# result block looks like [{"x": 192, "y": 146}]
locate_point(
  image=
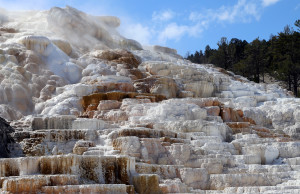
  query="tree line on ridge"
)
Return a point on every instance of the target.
[{"x": 278, "y": 57}]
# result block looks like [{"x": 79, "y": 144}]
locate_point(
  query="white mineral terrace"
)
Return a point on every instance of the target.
[{"x": 94, "y": 112}]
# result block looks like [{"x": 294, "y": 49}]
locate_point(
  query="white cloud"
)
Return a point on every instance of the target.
[
  {"x": 173, "y": 31},
  {"x": 138, "y": 32},
  {"x": 163, "y": 16},
  {"x": 267, "y": 3},
  {"x": 297, "y": 7},
  {"x": 242, "y": 11}
]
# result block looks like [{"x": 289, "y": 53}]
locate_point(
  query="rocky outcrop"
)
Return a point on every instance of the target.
[
  {"x": 75, "y": 23},
  {"x": 5, "y": 138},
  {"x": 97, "y": 98},
  {"x": 118, "y": 56}
]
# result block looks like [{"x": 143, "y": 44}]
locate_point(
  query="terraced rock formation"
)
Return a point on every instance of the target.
[{"x": 94, "y": 112}]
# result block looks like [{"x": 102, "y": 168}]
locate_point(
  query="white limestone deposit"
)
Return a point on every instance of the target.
[{"x": 95, "y": 112}]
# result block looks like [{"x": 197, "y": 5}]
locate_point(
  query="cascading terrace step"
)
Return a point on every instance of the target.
[
  {"x": 52, "y": 141},
  {"x": 164, "y": 171},
  {"x": 221, "y": 181},
  {"x": 57, "y": 135},
  {"x": 251, "y": 190},
  {"x": 257, "y": 168},
  {"x": 101, "y": 150},
  {"x": 34, "y": 183},
  {"x": 263, "y": 189},
  {"x": 293, "y": 161},
  {"x": 99, "y": 169},
  {"x": 201, "y": 140},
  {"x": 174, "y": 186},
  {"x": 90, "y": 189}
]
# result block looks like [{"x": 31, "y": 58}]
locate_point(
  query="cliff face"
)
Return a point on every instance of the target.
[
  {"x": 5, "y": 138},
  {"x": 94, "y": 112}
]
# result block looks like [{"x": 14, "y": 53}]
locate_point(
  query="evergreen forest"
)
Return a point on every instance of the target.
[{"x": 278, "y": 57}]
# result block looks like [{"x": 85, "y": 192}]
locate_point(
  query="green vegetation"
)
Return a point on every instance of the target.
[{"x": 279, "y": 57}]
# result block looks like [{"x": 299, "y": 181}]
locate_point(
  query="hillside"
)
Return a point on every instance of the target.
[{"x": 95, "y": 112}]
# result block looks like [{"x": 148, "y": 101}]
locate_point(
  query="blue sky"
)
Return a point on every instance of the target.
[{"x": 187, "y": 25}]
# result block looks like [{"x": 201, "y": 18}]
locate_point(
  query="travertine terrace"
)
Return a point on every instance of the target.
[{"x": 94, "y": 112}]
